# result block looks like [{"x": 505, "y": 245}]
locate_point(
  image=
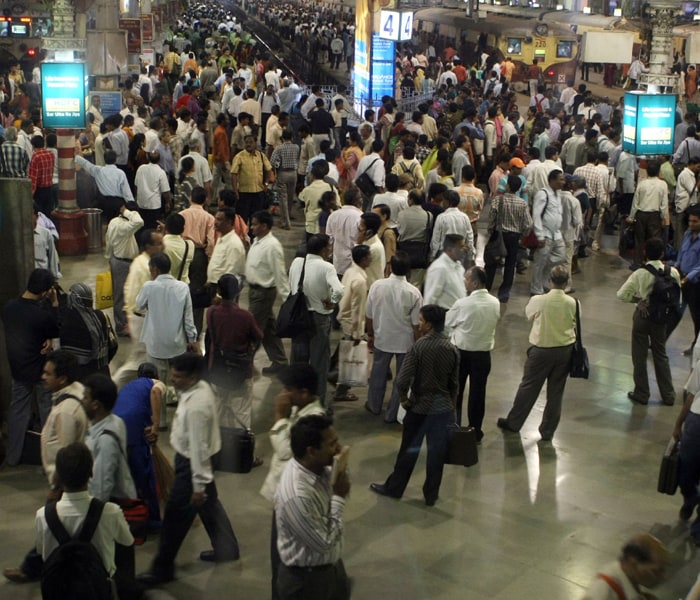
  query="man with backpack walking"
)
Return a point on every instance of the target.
[{"x": 655, "y": 288}]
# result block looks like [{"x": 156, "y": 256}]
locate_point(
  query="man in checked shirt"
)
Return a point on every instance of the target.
[{"x": 41, "y": 173}]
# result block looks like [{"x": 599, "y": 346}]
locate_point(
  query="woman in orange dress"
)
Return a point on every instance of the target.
[{"x": 349, "y": 159}]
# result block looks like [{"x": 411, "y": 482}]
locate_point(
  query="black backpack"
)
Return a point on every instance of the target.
[
  {"x": 75, "y": 569},
  {"x": 665, "y": 296}
]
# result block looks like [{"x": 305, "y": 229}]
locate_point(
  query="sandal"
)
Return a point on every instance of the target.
[
  {"x": 346, "y": 398},
  {"x": 258, "y": 462}
]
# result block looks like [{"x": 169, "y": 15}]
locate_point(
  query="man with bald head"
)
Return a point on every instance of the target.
[
  {"x": 552, "y": 338},
  {"x": 642, "y": 564}
]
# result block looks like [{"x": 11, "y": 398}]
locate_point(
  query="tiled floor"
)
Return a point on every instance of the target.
[{"x": 531, "y": 520}]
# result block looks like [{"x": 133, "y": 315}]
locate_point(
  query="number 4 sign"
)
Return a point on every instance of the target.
[
  {"x": 406, "y": 27},
  {"x": 389, "y": 25}
]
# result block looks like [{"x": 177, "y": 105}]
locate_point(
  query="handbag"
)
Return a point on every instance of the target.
[
  {"x": 530, "y": 239},
  {"x": 579, "y": 356},
  {"x": 229, "y": 368},
  {"x": 294, "y": 318},
  {"x": 353, "y": 363},
  {"x": 495, "y": 248},
  {"x": 103, "y": 291},
  {"x": 365, "y": 182},
  {"x": 668, "y": 472},
  {"x": 237, "y": 449},
  {"x": 461, "y": 446},
  {"x": 112, "y": 340},
  {"x": 417, "y": 251}
]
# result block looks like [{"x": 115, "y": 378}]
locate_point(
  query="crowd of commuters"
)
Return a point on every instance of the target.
[{"x": 391, "y": 221}]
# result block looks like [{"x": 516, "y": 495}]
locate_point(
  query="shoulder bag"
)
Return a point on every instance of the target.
[
  {"x": 365, "y": 182},
  {"x": 579, "y": 357},
  {"x": 668, "y": 473},
  {"x": 495, "y": 248},
  {"x": 294, "y": 318},
  {"x": 530, "y": 240},
  {"x": 184, "y": 260}
]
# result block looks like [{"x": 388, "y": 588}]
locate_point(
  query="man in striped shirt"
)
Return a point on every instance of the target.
[{"x": 309, "y": 509}]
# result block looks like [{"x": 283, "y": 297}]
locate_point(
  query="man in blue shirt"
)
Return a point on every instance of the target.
[{"x": 688, "y": 264}]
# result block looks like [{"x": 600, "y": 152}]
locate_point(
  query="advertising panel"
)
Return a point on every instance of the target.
[
  {"x": 110, "y": 102},
  {"x": 133, "y": 34},
  {"x": 383, "y": 56},
  {"x": 648, "y": 123},
  {"x": 63, "y": 91},
  {"x": 147, "y": 28}
]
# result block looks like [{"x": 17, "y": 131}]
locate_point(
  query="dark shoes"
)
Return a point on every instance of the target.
[
  {"x": 152, "y": 578},
  {"x": 503, "y": 424},
  {"x": 16, "y": 575},
  {"x": 380, "y": 488},
  {"x": 210, "y": 556},
  {"x": 685, "y": 512},
  {"x": 430, "y": 501},
  {"x": 273, "y": 369},
  {"x": 637, "y": 399},
  {"x": 368, "y": 408}
]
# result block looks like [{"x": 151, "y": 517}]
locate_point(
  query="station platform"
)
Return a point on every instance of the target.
[{"x": 531, "y": 520}]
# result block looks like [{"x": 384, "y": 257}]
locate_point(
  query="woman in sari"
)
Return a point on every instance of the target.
[{"x": 349, "y": 159}]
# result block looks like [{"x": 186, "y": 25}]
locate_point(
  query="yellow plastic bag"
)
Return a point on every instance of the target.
[{"x": 103, "y": 291}]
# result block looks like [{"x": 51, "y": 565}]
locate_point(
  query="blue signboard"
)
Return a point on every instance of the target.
[
  {"x": 63, "y": 91},
  {"x": 110, "y": 102},
  {"x": 648, "y": 123},
  {"x": 382, "y": 65}
]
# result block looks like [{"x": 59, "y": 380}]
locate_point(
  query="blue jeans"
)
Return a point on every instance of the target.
[
  {"x": 415, "y": 428},
  {"x": 377, "y": 383},
  {"x": 20, "y": 412}
]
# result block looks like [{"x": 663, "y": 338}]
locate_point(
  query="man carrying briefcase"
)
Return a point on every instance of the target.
[{"x": 431, "y": 371}]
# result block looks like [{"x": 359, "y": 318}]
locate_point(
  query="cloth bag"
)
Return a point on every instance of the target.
[
  {"x": 103, "y": 291},
  {"x": 353, "y": 363},
  {"x": 294, "y": 318},
  {"x": 580, "y": 367},
  {"x": 668, "y": 472}
]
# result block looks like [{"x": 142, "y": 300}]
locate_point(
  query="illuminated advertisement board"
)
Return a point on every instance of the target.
[
  {"x": 383, "y": 57},
  {"x": 64, "y": 95},
  {"x": 648, "y": 123}
]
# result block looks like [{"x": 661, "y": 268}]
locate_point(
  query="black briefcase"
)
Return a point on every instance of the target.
[
  {"x": 461, "y": 446},
  {"x": 668, "y": 473},
  {"x": 31, "y": 451},
  {"x": 237, "y": 451}
]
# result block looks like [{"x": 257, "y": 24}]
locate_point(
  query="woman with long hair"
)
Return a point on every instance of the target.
[
  {"x": 185, "y": 184},
  {"x": 349, "y": 159}
]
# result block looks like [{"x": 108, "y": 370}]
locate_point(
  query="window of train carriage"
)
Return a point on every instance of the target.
[
  {"x": 565, "y": 49},
  {"x": 515, "y": 45}
]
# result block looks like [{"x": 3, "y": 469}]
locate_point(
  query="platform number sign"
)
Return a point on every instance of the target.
[
  {"x": 389, "y": 25},
  {"x": 406, "y": 27}
]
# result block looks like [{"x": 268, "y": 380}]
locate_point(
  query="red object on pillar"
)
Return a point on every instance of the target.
[{"x": 70, "y": 220}]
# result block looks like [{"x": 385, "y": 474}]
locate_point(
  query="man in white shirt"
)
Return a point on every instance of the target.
[
  {"x": 168, "y": 329},
  {"x": 202, "y": 171},
  {"x": 373, "y": 165},
  {"x": 195, "y": 437},
  {"x": 266, "y": 275},
  {"x": 152, "y": 191},
  {"x": 120, "y": 249},
  {"x": 95, "y": 110},
  {"x": 473, "y": 321},
  {"x": 686, "y": 196},
  {"x": 229, "y": 253},
  {"x": 74, "y": 470},
  {"x": 444, "y": 281},
  {"x": 342, "y": 227},
  {"x": 393, "y": 308},
  {"x": 452, "y": 220},
  {"x": 367, "y": 234},
  {"x": 547, "y": 221},
  {"x": 391, "y": 198},
  {"x": 323, "y": 291}
]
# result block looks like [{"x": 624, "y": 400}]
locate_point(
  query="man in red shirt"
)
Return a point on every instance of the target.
[
  {"x": 41, "y": 173},
  {"x": 459, "y": 70},
  {"x": 222, "y": 155}
]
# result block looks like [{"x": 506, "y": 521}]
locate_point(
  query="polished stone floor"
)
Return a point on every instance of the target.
[{"x": 531, "y": 520}]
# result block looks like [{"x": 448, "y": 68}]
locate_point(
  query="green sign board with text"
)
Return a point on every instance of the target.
[{"x": 64, "y": 95}]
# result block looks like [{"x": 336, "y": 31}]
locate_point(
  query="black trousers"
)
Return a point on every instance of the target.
[
  {"x": 43, "y": 200},
  {"x": 415, "y": 428},
  {"x": 150, "y": 217},
  {"x": 691, "y": 297},
  {"x": 329, "y": 582},
  {"x": 476, "y": 366},
  {"x": 179, "y": 515},
  {"x": 249, "y": 203},
  {"x": 512, "y": 243}
]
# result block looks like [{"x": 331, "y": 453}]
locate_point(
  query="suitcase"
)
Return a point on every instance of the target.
[
  {"x": 461, "y": 446},
  {"x": 668, "y": 473},
  {"x": 31, "y": 451},
  {"x": 237, "y": 451}
]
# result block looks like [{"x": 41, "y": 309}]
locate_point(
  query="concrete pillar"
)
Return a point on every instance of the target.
[{"x": 70, "y": 220}]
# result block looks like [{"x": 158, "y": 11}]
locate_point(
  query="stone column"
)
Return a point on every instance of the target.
[
  {"x": 659, "y": 79},
  {"x": 70, "y": 220}
]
